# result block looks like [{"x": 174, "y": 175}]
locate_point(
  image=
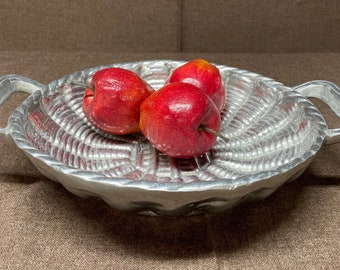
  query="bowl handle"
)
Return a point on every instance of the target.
[
  {"x": 329, "y": 93},
  {"x": 15, "y": 83}
]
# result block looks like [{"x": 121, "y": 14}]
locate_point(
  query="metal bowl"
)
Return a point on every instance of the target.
[{"x": 274, "y": 133}]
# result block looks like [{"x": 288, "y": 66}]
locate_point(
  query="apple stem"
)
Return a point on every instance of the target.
[
  {"x": 219, "y": 135},
  {"x": 82, "y": 84}
]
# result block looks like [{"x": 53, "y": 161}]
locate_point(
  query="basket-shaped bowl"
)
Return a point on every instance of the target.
[{"x": 274, "y": 132}]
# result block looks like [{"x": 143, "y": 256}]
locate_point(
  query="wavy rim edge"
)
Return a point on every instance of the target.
[{"x": 16, "y": 127}]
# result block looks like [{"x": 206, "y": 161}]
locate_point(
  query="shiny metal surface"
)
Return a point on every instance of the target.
[{"x": 274, "y": 132}]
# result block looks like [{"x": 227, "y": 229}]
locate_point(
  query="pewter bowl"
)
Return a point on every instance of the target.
[{"x": 274, "y": 133}]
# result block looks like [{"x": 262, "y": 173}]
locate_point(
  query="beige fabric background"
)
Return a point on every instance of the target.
[
  {"x": 243, "y": 26},
  {"x": 43, "y": 226}
]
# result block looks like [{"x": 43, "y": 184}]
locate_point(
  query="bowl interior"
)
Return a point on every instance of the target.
[{"x": 269, "y": 128}]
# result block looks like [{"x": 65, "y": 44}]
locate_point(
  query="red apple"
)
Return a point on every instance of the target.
[
  {"x": 112, "y": 102},
  {"x": 204, "y": 75},
  {"x": 178, "y": 120}
]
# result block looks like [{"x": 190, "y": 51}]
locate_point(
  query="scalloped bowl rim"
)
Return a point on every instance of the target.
[{"x": 97, "y": 178}]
